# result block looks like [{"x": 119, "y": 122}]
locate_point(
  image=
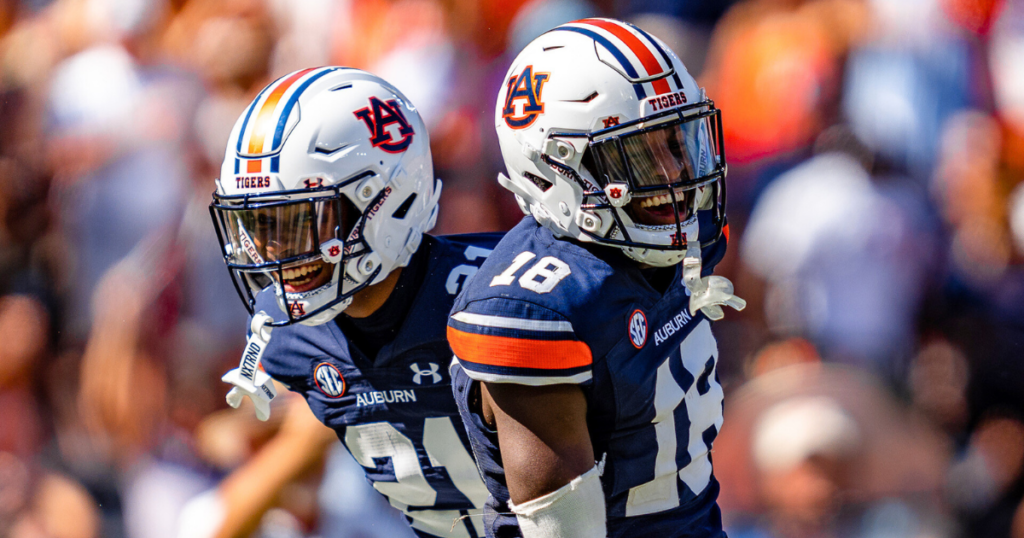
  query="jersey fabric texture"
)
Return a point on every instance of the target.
[
  {"x": 394, "y": 412},
  {"x": 545, "y": 310}
]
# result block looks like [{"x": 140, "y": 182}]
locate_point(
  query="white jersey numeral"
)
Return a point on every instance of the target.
[
  {"x": 549, "y": 270},
  {"x": 444, "y": 449},
  {"x": 697, "y": 351},
  {"x": 508, "y": 276},
  {"x": 462, "y": 273}
]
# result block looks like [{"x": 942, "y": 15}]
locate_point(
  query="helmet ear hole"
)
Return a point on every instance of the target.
[
  {"x": 540, "y": 182},
  {"x": 588, "y": 168},
  {"x": 404, "y": 208}
]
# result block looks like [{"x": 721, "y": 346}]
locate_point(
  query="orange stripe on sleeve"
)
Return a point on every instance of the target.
[
  {"x": 262, "y": 123},
  {"x": 519, "y": 352},
  {"x": 642, "y": 52}
]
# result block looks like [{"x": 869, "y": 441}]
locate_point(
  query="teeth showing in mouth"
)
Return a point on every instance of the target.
[
  {"x": 654, "y": 201},
  {"x": 297, "y": 276},
  {"x": 664, "y": 199}
]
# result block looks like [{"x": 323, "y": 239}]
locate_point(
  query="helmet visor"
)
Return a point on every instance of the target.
[
  {"x": 681, "y": 154},
  {"x": 280, "y": 232},
  {"x": 282, "y": 243},
  {"x": 663, "y": 165}
]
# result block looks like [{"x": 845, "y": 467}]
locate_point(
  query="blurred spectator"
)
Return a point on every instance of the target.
[
  {"x": 121, "y": 179},
  {"x": 877, "y": 214},
  {"x": 845, "y": 264},
  {"x": 773, "y": 68},
  {"x": 251, "y": 498},
  {"x": 903, "y": 83},
  {"x": 25, "y": 333},
  {"x": 814, "y": 450},
  {"x": 968, "y": 191},
  {"x": 35, "y": 503}
]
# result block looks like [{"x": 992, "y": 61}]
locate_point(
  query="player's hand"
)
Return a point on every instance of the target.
[{"x": 260, "y": 390}]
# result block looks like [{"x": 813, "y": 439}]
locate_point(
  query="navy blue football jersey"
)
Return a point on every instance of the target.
[
  {"x": 544, "y": 310},
  {"x": 395, "y": 412}
]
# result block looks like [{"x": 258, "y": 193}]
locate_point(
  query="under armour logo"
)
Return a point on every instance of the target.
[
  {"x": 615, "y": 193},
  {"x": 610, "y": 121},
  {"x": 334, "y": 250},
  {"x": 432, "y": 372}
]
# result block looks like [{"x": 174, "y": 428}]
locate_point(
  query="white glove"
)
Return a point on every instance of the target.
[
  {"x": 248, "y": 379},
  {"x": 707, "y": 293},
  {"x": 260, "y": 390}
]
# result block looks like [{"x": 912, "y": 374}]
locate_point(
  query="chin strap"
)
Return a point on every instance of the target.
[
  {"x": 707, "y": 293},
  {"x": 248, "y": 379}
]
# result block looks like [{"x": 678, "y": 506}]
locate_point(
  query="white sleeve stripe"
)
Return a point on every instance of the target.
[
  {"x": 501, "y": 322},
  {"x": 531, "y": 381}
]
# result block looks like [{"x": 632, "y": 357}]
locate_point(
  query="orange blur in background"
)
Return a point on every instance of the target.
[{"x": 874, "y": 386}]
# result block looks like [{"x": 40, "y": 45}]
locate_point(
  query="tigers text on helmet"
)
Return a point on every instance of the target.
[
  {"x": 326, "y": 187},
  {"x": 608, "y": 139}
]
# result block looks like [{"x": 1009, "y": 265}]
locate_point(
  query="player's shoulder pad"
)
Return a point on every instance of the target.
[
  {"x": 531, "y": 265},
  {"x": 536, "y": 307},
  {"x": 452, "y": 261},
  {"x": 483, "y": 240}
]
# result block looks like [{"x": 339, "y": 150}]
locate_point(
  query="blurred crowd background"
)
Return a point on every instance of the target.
[{"x": 874, "y": 386}]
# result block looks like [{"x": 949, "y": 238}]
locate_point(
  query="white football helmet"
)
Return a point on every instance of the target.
[
  {"x": 327, "y": 186},
  {"x": 608, "y": 139}
]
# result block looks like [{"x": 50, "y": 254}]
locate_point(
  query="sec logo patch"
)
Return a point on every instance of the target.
[
  {"x": 638, "y": 329},
  {"x": 328, "y": 379}
]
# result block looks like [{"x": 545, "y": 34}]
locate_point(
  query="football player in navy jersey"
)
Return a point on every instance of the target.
[
  {"x": 324, "y": 198},
  {"x": 585, "y": 364}
]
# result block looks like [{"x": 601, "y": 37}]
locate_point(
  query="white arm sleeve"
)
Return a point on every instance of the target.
[{"x": 576, "y": 510}]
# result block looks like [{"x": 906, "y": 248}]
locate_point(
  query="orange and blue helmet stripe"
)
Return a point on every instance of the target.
[
  {"x": 639, "y": 54},
  {"x": 272, "y": 107}
]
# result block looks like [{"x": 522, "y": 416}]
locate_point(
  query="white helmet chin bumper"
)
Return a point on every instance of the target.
[
  {"x": 657, "y": 235},
  {"x": 315, "y": 300}
]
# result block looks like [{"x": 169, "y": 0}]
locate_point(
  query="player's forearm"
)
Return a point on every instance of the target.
[
  {"x": 535, "y": 468},
  {"x": 252, "y": 489},
  {"x": 548, "y": 457},
  {"x": 543, "y": 436}
]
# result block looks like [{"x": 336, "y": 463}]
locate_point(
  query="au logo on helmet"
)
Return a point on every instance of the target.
[
  {"x": 378, "y": 116},
  {"x": 527, "y": 87}
]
